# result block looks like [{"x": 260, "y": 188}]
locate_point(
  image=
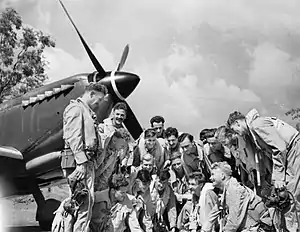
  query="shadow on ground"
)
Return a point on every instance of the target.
[{"x": 24, "y": 229}]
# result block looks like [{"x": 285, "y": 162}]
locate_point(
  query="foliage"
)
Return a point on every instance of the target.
[
  {"x": 22, "y": 64},
  {"x": 295, "y": 113}
]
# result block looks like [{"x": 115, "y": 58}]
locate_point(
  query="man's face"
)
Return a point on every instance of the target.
[
  {"x": 186, "y": 145},
  {"x": 161, "y": 185},
  {"x": 172, "y": 141},
  {"x": 217, "y": 177},
  {"x": 119, "y": 116},
  {"x": 147, "y": 165},
  {"x": 143, "y": 186},
  {"x": 121, "y": 193},
  {"x": 177, "y": 165},
  {"x": 239, "y": 127},
  {"x": 95, "y": 98},
  {"x": 193, "y": 185},
  {"x": 150, "y": 142},
  {"x": 214, "y": 144},
  {"x": 159, "y": 127}
]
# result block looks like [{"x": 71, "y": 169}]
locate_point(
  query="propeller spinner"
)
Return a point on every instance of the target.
[{"x": 121, "y": 83}]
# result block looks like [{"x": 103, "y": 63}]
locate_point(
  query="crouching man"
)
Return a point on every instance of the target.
[
  {"x": 195, "y": 212},
  {"x": 113, "y": 210},
  {"x": 240, "y": 209}
]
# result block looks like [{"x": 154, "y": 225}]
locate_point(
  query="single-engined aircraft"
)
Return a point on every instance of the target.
[{"x": 31, "y": 129}]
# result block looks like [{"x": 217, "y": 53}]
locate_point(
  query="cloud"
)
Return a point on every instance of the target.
[{"x": 198, "y": 59}]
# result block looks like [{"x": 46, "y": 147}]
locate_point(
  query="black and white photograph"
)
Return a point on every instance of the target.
[{"x": 149, "y": 116}]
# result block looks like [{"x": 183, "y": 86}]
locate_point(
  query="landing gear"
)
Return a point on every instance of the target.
[
  {"x": 45, "y": 208},
  {"x": 44, "y": 213}
]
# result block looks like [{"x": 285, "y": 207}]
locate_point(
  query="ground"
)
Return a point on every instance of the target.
[{"x": 18, "y": 213}]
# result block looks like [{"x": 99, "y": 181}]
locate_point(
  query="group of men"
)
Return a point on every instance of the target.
[{"x": 242, "y": 176}]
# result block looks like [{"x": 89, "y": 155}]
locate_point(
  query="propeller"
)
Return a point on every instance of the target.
[
  {"x": 131, "y": 122},
  {"x": 94, "y": 60},
  {"x": 123, "y": 58}
]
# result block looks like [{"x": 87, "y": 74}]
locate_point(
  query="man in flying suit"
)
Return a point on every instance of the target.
[
  {"x": 278, "y": 142},
  {"x": 82, "y": 144}
]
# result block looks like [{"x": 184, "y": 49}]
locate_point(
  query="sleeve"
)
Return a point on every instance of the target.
[
  {"x": 171, "y": 209},
  {"x": 133, "y": 222},
  {"x": 212, "y": 219},
  {"x": 136, "y": 157},
  {"x": 268, "y": 133},
  {"x": 210, "y": 200},
  {"x": 73, "y": 132},
  {"x": 237, "y": 202},
  {"x": 184, "y": 215}
]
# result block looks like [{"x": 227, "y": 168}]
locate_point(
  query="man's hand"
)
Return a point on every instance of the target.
[
  {"x": 173, "y": 229},
  {"x": 279, "y": 184},
  {"x": 80, "y": 171}
]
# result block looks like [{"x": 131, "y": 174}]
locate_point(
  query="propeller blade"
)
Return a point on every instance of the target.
[
  {"x": 123, "y": 58},
  {"x": 132, "y": 124},
  {"x": 94, "y": 60}
]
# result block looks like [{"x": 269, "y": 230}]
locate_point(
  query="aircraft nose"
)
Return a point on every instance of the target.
[{"x": 123, "y": 84}]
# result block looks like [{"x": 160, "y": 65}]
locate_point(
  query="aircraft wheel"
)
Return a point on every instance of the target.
[{"x": 45, "y": 214}]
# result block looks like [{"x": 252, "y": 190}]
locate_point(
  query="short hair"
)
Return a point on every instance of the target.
[
  {"x": 149, "y": 133},
  {"x": 122, "y": 133},
  {"x": 175, "y": 155},
  {"x": 223, "y": 133},
  {"x": 120, "y": 106},
  {"x": 184, "y": 135},
  {"x": 224, "y": 166},
  {"x": 96, "y": 87},
  {"x": 144, "y": 176},
  {"x": 171, "y": 131},
  {"x": 164, "y": 174},
  {"x": 207, "y": 133},
  {"x": 148, "y": 157},
  {"x": 116, "y": 181},
  {"x": 236, "y": 115},
  {"x": 157, "y": 119},
  {"x": 198, "y": 176}
]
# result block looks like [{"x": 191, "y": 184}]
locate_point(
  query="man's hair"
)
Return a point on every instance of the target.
[
  {"x": 236, "y": 115},
  {"x": 96, "y": 87},
  {"x": 224, "y": 166},
  {"x": 144, "y": 176},
  {"x": 157, "y": 119},
  {"x": 164, "y": 174},
  {"x": 222, "y": 134},
  {"x": 171, "y": 131},
  {"x": 116, "y": 181},
  {"x": 184, "y": 135},
  {"x": 122, "y": 133},
  {"x": 149, "y": 133},
  {"x": 120, "y": 106},
  {"x": 175, "y": 155},
  {"x": 207, "y": 133},
  {"x": 198, "y": 176},
  {"x": 148, "y": 157}
]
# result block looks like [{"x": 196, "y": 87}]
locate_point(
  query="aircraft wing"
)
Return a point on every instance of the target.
[{"x": 10, "y": 152}]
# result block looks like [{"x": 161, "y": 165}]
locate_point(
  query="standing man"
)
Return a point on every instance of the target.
[
  {"x": 279, "y": 142},
  {"x": 157, "y": 123},
  {"x": 81, "y": 145},
  {"x": 193, "y": 155},
  {"x": 113, "y": 123}
]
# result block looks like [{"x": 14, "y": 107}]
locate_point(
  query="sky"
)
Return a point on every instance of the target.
[{"x": 198, "y": 60}]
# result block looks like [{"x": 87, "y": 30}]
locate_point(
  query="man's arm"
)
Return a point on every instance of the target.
[
  {"x": 171, "y": 209},
  {"x": 73, "y": 132},
  {"x": 268, "y": 133},
  {"x": 237, "y": 202}
]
